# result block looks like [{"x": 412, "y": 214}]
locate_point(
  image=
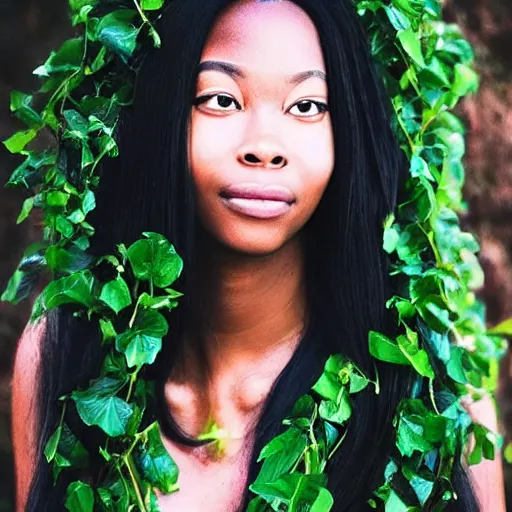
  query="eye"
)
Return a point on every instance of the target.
[
  {"x": 308, "y": 108},
  {"x": 219, "y": 102}
]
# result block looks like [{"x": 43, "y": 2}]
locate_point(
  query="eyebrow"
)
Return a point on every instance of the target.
[{"x": 235, "y": 72}]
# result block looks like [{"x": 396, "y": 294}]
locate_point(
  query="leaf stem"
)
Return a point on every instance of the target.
[
  {"x": 337, "y": 445},
  {"x": 128, "y": 460},
  {"x": 133, "y": 378}
]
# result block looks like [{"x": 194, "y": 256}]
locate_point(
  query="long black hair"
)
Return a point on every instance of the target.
[{"x": 148, "y": 188}]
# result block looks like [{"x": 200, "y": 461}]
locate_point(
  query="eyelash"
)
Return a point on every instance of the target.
[{"x": 322, "y": 107}]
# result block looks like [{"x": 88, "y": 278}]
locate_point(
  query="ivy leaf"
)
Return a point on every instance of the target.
[
  {"x": 50, "y": 448},
  {"x": 417, "y": 357},
  {"x": 79, "y": 497},
  {"x": 155, "y": 464},
  {"x": 384, "y": 349},
  {"x": 323, "y": 502},
  {"x": 412, "y": 46},
  {"x": 282, "y": 442},
  {"x": 67, "y": 59},
  {"x": 357, "y": 383},
  {"x": 151, "y": 5},
  {"x": 465, "y": 81},
  {"x": 20, "y": 105},
  {"x": 410, "y": 438},
  {"x": 67, "y": 260},
  {"x": 116, "y": 294},
  {"x": 336, "y": 412},
  {"x": 277, "y": 463},
  {"x": 454, "y": 366},
  {"x": 76, "y": 288},
  {"x": 28, "y": 204},
  {"x": 24, "y": 279},
  {"x": 328, "y": 386},
  {"x": 155, "y": 259},
  {"x": 17, "y": 142},
  {"x": 100, "y": 406},
  {"x": 142, "y": 343},
  {"x": 117, "y": 33}
]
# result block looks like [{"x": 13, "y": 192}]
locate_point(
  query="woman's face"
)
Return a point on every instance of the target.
[{"x": 261, "y": 144}]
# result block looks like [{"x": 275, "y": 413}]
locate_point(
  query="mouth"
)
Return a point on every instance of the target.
[{"x": 257, "y": 201}]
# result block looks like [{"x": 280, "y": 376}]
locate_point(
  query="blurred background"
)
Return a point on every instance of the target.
[{"x": 30, "y": 29}]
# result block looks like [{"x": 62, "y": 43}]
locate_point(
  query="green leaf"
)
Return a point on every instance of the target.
[
  {"x": 155, "y": 464},
  {"x": 67, "y": 260},
  {"x": 57, "y": 198},
  {"x": 324, "y": 501},
  {"x": 77, "y": 5},
  {"x": 155, "y": 259},
  {"x": 28, "y": 204},
  {"x": 64, "y": 227},
  {"x": 384, "y": 349},
  {"x": 411, "y": 44},
  {"x": 282, "y": 442},
  {"x": 151, "y": 5},
  {"x": 67, "y": 59},
  {"x": 79, "y": 497},
  {"x": 116, "y": 294},
  {"x": 99, "y": 405},
  {"x": 397, "y": 19},
  {"x": 465, "y": 81},
  {"x": 328, "y": 386},
  {"x": 117, "y": 33},
  {"x": 20, "y": 105},
  {"x": 50, "y": 448},
  {"x": 454, "y": 367},
  {"x": 280, "y": 462},
  {"x": 76, "y": 288},
  {"x": 77, "y": 124},
  {"x": 72, "y": 449},
  {"x": 504, "y": 328},
  {"x": 423, "y": 488},
  {"x": 107, "y": 329},
  {"x": 410, "y": 438},
  {"x": 391, "y": 238},
  {"x": 336, "y": 413},
  {"x": 417, "y": 357},
  {"x": 357, "y": 383},
  {"x": 143, "y": 342},
  {"x": 17, "y": 142},
  {"x": 88, "y": 202}
]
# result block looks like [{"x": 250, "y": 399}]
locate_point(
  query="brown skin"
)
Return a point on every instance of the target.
[{"x": 255, "y": 266}]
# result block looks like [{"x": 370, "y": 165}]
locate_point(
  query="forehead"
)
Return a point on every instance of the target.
[{"x": 265, "y": 35}]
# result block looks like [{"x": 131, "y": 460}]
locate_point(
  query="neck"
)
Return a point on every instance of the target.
[{"x": 256, "y": 305}]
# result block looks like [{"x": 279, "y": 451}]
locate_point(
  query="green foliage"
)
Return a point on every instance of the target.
[{"x": 427, "y": 68}]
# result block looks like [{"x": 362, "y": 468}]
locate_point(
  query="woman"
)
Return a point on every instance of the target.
[{"x": 259, "y": 144}]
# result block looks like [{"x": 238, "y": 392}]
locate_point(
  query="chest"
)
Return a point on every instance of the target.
[{"x": 208, "y": 484}]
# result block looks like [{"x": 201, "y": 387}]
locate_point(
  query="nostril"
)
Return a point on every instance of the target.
[
  {"x": 277, "y": 160},
  {"x": 252, "y": 158}
]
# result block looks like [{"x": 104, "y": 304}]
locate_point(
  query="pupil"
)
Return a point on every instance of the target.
[
  {"x": 304, "y": 107},
  {"x": 224, "y": 101}
]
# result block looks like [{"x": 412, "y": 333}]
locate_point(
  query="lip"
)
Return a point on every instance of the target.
[
  {"x": 258, "y": 192},
  {"x": 257, "y": 201}
]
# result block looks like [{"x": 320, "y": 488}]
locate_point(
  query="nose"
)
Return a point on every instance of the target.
[
  {"x": 261, "y": 147},
  {"x": 263, "y": 158}
]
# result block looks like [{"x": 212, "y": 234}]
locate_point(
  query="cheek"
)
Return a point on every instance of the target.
[
  {"x": 318, "y": 163},
  {"x": 211, "y": 144}
]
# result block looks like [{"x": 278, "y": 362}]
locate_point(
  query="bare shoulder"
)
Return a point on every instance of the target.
[
  {"x": 24, "y": 407},
  {"x": 487, "y": 476}
]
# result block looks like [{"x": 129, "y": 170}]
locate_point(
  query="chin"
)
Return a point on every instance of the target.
[{"x": 252, "y": 247}]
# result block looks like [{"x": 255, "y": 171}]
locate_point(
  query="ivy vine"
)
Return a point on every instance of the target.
[{"x": 427, "y": 68}]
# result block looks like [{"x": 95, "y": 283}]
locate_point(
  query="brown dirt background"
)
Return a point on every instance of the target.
[{"x": 29, "y": 29}]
